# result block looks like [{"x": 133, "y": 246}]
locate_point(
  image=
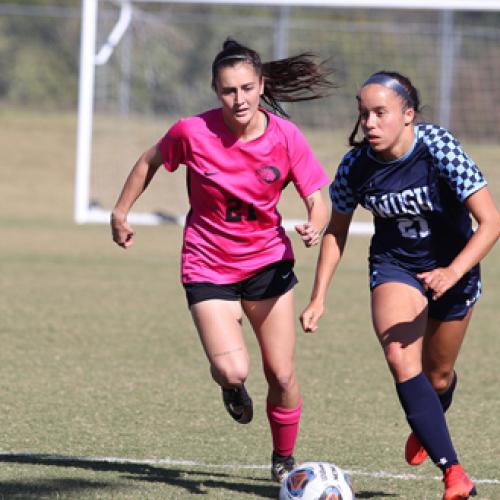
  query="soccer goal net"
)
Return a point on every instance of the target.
[{"x": 144, "y": 64}]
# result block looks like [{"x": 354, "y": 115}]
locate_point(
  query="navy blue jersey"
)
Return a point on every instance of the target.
[{"x": 417, "y": 201}]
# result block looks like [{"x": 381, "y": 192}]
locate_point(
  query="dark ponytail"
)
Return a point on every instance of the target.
[{"x": 293, "y": 79}]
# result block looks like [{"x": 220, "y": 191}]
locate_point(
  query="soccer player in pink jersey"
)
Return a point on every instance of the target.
[{"x": 236, "y": 256}]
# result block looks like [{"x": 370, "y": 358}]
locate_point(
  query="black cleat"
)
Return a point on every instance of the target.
[
  {"x": 238, "y": 404},
  {"x": 281, "y": 466}
]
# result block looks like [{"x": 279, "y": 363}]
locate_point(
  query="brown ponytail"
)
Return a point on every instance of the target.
[{"x": 293, "y": 79}]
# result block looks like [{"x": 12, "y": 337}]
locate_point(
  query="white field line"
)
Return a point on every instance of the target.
[{"x": 11, "y": 456}]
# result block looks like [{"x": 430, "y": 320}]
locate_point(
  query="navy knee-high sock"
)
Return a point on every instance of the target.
[
  {"x": 426, "y": 418},
  {"x": 447, "y": 396}
]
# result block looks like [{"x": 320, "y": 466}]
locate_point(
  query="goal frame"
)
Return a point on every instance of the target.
[{"x": 84, "y": 211}]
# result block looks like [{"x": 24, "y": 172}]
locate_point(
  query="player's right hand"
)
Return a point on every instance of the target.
[
  {"x": 310, "y": 317},
  {"x": 309, "y": 234},
  {"x": 123, "y": 234}
]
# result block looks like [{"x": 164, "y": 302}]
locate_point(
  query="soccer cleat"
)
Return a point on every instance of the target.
[
  {"x": 457, "y": 484},
  {"x": 415, "y": 453},
  {"x": 281, "y": 466},
  {"x": 238, "y": 404}
]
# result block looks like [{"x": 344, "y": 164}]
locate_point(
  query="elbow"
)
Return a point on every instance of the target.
[
  {"x": 494, "y": 226},
  {"x": 491, "y": 227}
]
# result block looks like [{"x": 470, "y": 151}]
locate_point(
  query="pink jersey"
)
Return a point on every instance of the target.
[{"x": 233, "y": 228}]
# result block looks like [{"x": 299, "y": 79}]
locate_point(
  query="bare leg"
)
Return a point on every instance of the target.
[
  {"x": 442, "y": 343},
  {"x": 273, "y": 321},
  {"x": 399, "y": 315},
  {"x": 219, "y": 326}
]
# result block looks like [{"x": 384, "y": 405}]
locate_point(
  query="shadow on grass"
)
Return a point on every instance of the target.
[
  {"x": 45, "y": 488},
  {"x": 190, "y": 480},
  {"x": 195, "y": 482},
  {"x": 374, "y": 494}
]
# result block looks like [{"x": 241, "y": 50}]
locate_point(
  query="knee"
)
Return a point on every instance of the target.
[
  {"x": 394, "y": 357},
  {"x": 440, "y": 379},
  {"x": 282, "y": 380},
  {"x": 402, "y": 365},
  {"x": 229, "y": 375}
]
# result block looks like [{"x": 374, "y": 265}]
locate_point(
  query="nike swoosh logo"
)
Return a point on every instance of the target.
[
  {"x": 285, "y": 276},
  {"x": 209, "y": 174}
]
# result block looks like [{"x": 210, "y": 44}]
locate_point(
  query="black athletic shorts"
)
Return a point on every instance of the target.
[{"x": 272, "y": 281}]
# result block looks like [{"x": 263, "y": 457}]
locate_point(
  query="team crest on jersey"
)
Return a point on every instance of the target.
[{"x": 268, "y": 174}]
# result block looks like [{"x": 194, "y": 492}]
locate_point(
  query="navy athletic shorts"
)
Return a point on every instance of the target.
[
  {"x": 272, "y": 281},
  {"x": 454, "y": 304}
]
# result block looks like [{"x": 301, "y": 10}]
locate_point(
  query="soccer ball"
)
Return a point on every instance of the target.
[{"x": 317, "y": 481}]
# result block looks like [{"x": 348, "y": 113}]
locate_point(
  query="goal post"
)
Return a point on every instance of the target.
[
  {"x": 100, "y": 50},
  {"x": 83, "y": 211}
]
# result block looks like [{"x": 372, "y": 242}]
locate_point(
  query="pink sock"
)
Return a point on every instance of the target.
[{"x": 284, "y": 424}]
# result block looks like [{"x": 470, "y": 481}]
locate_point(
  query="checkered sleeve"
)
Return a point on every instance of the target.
[
  {"x": 341, "y": 192},
  {"x": 460, "y": 172}
]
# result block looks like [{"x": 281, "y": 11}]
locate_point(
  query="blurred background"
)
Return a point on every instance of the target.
[
  {"x": 160, "y": 70},
  {"x": 162, "y": 64}
]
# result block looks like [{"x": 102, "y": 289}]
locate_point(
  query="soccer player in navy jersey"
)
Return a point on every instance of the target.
[
  {"x": 236, "y": 256},
  {"x": 421, "y": 188}
]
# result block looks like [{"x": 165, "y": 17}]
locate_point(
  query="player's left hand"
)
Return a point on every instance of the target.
[
  {"x": 310, "y": 316},
  {"x": 439, "y": 280},
  {"x": 308, "y": 233}
]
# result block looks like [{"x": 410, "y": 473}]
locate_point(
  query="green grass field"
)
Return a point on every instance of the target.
[{"x": 105, "y": 389}]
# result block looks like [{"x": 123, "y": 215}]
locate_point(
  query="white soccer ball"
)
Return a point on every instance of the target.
[{"x": 317, "y": 481}]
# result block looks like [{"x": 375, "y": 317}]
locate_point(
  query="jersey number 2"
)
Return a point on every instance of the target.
[
  {"x": 235, "y": 211},
  {"x": 413, "y": 228}
]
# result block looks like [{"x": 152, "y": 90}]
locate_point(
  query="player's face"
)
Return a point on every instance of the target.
[
  {"x": 239, "y": 89},
  {"x": 386, "y": 124}
]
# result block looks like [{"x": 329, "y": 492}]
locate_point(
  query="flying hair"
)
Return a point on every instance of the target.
[{"x": 293, "y": 79}]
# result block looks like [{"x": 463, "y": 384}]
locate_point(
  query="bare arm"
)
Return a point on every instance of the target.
[
  {"x": 137, "y": 181},
  {"x": 483, "y": 209},
  {"x": 332, "y": 247},
  {"x": 317, "y": 217}
]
